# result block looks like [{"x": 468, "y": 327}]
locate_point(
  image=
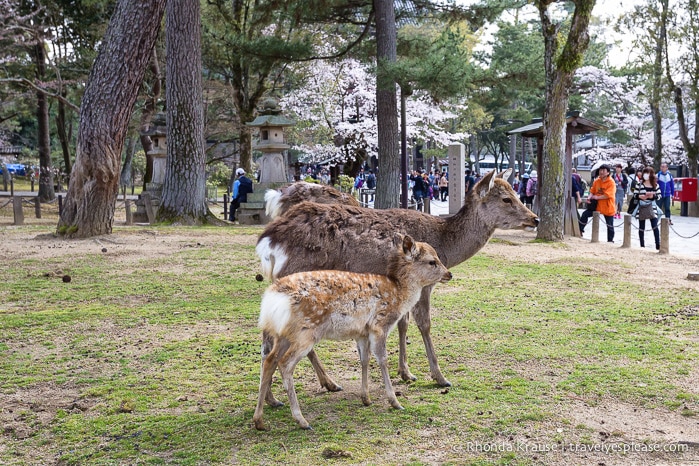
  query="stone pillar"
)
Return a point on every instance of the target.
[{"x": 457, "y": 183}]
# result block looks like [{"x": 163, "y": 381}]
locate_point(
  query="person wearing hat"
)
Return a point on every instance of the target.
[
  {"x": 523, "y": 188},
  {"x": 242, "y": 186},
  {"x": 603, "y": 197}
]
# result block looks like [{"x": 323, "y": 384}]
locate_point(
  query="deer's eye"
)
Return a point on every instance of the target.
[
  {"x": 507, "y": 200},
  {"x": 433, "y": 263}
]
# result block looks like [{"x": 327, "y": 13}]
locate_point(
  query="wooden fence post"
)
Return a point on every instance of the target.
[
  {"x": 664, "y": 236},
  {"x": 129, "y": 216},
  {"x": 17, "y": 208},
  {"x": 37, "y": 207},
  {"x": 627, "y": 231},
  {"x": 595, "y": 227},
  {"x": 149, "y": 207}
]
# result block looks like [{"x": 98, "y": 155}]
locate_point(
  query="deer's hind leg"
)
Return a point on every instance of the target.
[
  {"x": 269, "y": 365},
  {"x": 287, "y": 364},
  {"x": 267, "y": 345}
]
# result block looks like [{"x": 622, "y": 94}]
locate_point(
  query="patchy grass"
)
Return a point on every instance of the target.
[{"x": 150, "y": 355}]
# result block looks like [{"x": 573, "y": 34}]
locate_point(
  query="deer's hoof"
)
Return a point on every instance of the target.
[
  {"x": 396, "y": 405},
  {"x": 332, "y": 387},
  {"x": 273, "y": 402},
  {"x": 258, "y": 424},
  {"x": 443, "y": 383},
  {"x": 407, "y": 376},
  {"x": 366, "y": 401}
]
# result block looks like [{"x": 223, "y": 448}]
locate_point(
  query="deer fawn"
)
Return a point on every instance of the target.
[{"x": 301, "y": 309}]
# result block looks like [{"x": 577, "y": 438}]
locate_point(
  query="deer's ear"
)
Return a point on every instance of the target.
[
  {"x": 486, "y": 184},
  {"x": 409, "y": 248},
  {"x": 505, "y": 174}
]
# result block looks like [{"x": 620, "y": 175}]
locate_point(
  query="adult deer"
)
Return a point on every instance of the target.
[
  {"x": 312, "y": 236},
  {"x": 301, "y": 309}
]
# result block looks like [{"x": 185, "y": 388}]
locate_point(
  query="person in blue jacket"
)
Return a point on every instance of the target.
[
  {"x": 667, "y": 190},
  {"x": 242, "y": 186}
]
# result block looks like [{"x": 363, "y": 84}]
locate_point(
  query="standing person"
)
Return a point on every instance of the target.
[
  {"x": 646, "y": 193},
  {"x": 576, "y": 191},
  {"x": 470, "y": 181},
  {"x": 515, "y": 182},
  {"x": 371, "y": 183},
  {"x": 603, "y": 191},
  {"x": 419, "y": 188},
  {"x": 637, "y": 178},
  {"x": 242, "y": 186},
  {"x": 532, "y": 188},
  {"x": 667, "y": 190},
  {"x": 443, "y": 187},
  {"x": 622, "y": 184},
  {"x": 523, "y": 189},
  {"x": 434, "y": 179}
]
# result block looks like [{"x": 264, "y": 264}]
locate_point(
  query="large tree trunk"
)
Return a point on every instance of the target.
[
  {"x": 110, "y": 95},
  {"x": 559, "y": 76},
  {"x": 46, "y": 191},
  {"x": 388, "y": 178},
  {"x": 184, "y": 190}
]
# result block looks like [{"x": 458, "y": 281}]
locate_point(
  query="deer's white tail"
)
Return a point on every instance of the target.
[
  {"x": 272, "y": 258},
  {"x": 274, "y": 312},
  {"x": 272, "y": 205}
]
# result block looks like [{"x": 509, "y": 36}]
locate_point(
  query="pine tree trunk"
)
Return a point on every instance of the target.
[
  {"x": 46, "y": 191},
  {"x": 184, "y": 189},
  {"x": 109, "y": 98},
  {"x": 388, "y": 177}
]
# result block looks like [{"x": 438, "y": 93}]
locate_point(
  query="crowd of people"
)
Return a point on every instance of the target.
[
  {"x": 650, "y": 193},
  {"x": 651, "y": 197}
]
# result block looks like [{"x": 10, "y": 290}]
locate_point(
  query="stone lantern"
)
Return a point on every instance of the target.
[
  {"x": 158, "y": 155},
  {"x": 271, "y": 143},
  {"x": 158, "y": 152},
  {"x": 272, "y": 166}
]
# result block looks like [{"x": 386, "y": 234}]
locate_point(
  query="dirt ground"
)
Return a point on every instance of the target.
[{"x": 132, "y": 244}]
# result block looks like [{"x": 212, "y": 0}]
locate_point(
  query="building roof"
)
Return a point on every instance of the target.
[
  {"x": 271, "y": 120},
  {"x": 574, "y": 122}
]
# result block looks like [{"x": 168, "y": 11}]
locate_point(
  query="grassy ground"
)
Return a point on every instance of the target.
[{"x": 151, "y": 356}]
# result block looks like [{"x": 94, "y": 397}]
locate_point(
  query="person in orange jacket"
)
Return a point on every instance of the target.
[{"x": 602, "y": 195}]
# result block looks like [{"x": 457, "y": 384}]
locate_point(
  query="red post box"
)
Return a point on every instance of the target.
[{"x": 685, "y": 190}]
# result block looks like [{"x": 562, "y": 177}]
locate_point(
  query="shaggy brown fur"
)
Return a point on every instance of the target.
[
  {"x": 314, "y": 236},
  {"x": 301, "y": 191}
]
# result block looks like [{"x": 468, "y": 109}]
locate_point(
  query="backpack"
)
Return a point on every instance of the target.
[
  {"x": 532, "y": 186},
  {"x": 359, "y": 183}
]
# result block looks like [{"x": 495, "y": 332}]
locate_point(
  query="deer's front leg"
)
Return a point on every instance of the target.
[
  {"x": 403, "y": 369},
  {"x": 421, "y": 314},
  {"x": 324, "y": 379}
]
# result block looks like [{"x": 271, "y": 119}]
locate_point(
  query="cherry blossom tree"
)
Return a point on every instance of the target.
[
  {"x": 622, "y": 106},
  {"x": 336, "y": 113}
]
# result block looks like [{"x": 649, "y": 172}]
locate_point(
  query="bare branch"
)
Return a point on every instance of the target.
[{"x": 28, "y": 83}]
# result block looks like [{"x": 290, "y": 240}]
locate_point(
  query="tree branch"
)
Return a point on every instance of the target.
[{"x": 30, "y": 84}]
